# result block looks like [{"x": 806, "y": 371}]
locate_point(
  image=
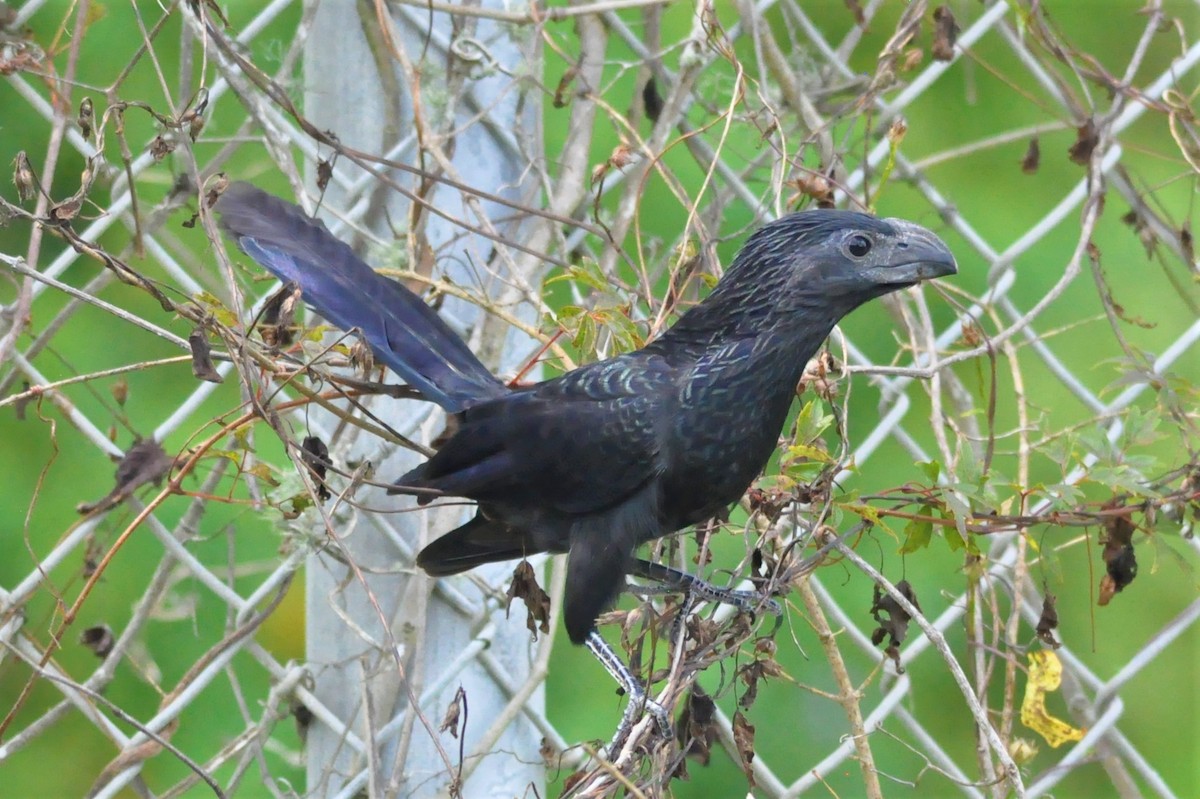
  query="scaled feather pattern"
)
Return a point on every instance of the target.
[{"x": 620, "y": 452}]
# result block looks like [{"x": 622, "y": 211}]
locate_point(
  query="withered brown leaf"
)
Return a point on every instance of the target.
[
  {"x": 743, "y": 741},
  {"x": 945, "y": 34},
  {"x": 315, "y": 455},
  {"x": 524, "y": 586},
  {"x": 1086, "y": 139},
  {"x": 202, "y": 365},
  {"x": 144, "y": 462},
  {"x": 895, "y": 626},
  {"x": 1048, "y": 621},
  {"x": 456, "y": 710},
  {"x": 1033, "y": 157},
  {"x": 1120, "y": 561},
  {"x": 279, "y": 316}
]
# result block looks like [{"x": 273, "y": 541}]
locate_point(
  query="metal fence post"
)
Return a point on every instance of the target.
[{"x": 355, "y": 674}]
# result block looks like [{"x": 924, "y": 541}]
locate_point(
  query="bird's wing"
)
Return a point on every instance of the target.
[{"x": 576, "y": 444}]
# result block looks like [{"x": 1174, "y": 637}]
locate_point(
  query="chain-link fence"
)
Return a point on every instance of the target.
[{"x": 957, "y": 515}]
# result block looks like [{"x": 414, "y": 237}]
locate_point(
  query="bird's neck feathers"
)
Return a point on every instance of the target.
[{"x": 765, "y": 303}]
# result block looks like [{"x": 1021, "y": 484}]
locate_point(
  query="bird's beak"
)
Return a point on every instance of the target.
[{"x": 920, "y": 255}]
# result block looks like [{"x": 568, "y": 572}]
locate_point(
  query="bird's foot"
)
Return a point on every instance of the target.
[
  {"x": 639, "y": 701},
  {"x": 638, "y": 705},
  {"x": 747, "y": 601}
]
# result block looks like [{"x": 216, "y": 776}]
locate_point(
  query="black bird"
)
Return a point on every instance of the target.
[{"x": 616, "y": 453}]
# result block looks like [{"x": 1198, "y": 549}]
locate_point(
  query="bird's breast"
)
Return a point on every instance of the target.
[{"x": 726, "y": 424}]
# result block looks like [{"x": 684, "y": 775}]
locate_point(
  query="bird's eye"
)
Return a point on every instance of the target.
[{"x": 858, "y": 246}]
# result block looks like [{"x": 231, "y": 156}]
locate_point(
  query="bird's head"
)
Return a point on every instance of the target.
[
  {"x": 843, "y": 258},
  {"x": 809, "y": 269}
]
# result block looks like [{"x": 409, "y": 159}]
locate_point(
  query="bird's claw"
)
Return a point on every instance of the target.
[
  {"x": 746, "y": 601},
  {"x": 639, "y": 705},
  {"x": 639, "y": 700},
  {"x": 660, "y": 715},
  {"x": 672, "y": 579}
]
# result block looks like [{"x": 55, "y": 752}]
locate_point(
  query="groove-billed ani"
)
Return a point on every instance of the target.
[{"x": 615, "y": 453}]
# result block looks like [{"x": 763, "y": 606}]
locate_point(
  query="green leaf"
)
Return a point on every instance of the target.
[
  {"x": 1141, "y": 427},
  {"x": 241, "y": 438},
  {"x": 863, "y": 510},
  {"x": 869, "y": 513},
  {"x": 956, "y": 542},
  {"x": 917, "y": 533},
  {"x": 807, "y": 452},
  {"x": 931, "y": 469},
  {"x": 812, "y": 420},
  {"x": 233, "y": 456},
  {"x": 626, "y": 336},
  {"x": 301, "y": 502},
  {"x": 264, "y": 472},
  {"x": 217, "y": 308},
  {"x": 1095, "y": 441},
  {"x": 970, "y": 470},
  {"x": 957, "y": 509},
  {"x": 317, "y": 333},
  {"x": 1061, "y": 450},
  {"x": 1062, "y": 496},
  {"x": 1121, "y": 478},
  {"x": 587, "y": 272},
  {"x": 803, "y": 471}
]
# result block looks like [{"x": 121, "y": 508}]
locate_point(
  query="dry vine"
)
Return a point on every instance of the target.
[{"x": 1037, "y": 483}]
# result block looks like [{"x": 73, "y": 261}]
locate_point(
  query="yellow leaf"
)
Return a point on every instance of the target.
[
  {"x": 1045, "y": 675},
  {"x": 797, "y": 451},
  {"x": 263, "y": 472}
]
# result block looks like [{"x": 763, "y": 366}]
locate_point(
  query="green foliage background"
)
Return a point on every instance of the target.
[{"x": 49, "y": 461}]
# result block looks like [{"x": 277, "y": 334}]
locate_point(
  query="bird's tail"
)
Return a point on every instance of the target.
[
  {"x": 477, "y": 542},
  {"x": 403, "y": 331}
]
